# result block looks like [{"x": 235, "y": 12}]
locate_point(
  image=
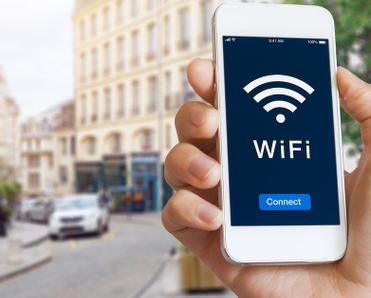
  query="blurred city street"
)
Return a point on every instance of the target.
[{"x": 118, "y": 264}]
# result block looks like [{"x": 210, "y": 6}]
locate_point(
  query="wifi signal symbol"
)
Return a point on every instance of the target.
[{"x": 279, "y": 104}]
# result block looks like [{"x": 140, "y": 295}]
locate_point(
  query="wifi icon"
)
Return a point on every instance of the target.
[{"x": 281, "y": 103}]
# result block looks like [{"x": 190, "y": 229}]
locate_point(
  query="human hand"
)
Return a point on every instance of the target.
[{"x": 193, "y": 217}]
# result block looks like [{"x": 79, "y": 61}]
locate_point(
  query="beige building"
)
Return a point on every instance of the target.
[
  {"x": 130, "y": 78},
  {"x": 65, "y": 149},
  {"x": 48, "y": 152},
  {"x": 9, "y": 132},
  {"x": 37, "y": 150}
]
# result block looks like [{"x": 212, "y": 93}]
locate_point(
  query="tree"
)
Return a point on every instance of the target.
[{"x": 353, "y": 38}]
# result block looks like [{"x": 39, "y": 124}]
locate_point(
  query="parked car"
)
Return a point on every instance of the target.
[
  {"x": 41, "y": 210},
  {"x": 23, "y": 209},
  {"x": 79, "y": 214}
]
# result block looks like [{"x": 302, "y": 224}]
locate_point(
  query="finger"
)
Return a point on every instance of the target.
[
  {"x": 356, "y": 99},
  {"x": 201, "y": 77},
  {"x": 187, "y": 210},
  {"x": 187, "y": 165},
  {"x": 197, "y": 123}
]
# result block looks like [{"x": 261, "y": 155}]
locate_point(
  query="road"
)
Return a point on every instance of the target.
[{"x": 116, "y": 265}]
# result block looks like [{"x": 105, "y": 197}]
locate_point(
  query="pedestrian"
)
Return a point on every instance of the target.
[{"x": 3, "y": 219}]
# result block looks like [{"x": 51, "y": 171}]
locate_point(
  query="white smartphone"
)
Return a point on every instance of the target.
[{"x": 282, "y": 188}]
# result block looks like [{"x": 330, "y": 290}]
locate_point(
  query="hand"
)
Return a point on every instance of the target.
[{"x": 193, "y": 217}]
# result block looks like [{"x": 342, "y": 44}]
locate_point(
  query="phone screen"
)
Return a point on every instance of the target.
[{"x": 280, "y": 132}]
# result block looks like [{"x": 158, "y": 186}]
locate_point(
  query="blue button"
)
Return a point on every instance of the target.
[{"x": 284, "y": 202}]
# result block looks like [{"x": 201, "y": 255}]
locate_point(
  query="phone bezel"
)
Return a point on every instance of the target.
[{"x": 277, "y": 244}]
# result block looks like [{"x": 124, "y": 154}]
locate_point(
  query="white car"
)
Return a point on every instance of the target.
[{"x": 79, "y": 214}]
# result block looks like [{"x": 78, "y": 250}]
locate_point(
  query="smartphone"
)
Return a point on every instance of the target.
[{"x": 282, "y": 186}]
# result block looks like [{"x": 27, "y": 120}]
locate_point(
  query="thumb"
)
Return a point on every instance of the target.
[{"x": 355, "y": 97}]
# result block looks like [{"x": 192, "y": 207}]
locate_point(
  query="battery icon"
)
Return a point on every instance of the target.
[{"x": 322, "y": 42}]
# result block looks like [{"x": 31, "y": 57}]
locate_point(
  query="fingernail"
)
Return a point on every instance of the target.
[
  {"x": 197, "y": 116},
  {"x": 208, "y": 213},
  {"x": 201, "y": 167}
]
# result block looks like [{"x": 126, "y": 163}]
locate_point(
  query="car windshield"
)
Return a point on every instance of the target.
[{"x": 77, "y": 203}]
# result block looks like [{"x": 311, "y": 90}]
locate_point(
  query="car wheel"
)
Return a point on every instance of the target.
[{"x": 53, "y": 237}]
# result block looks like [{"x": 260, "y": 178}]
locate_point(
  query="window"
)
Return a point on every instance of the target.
[
  {"x": 120, "y": 53},
  {"x": 90, "y": 145},
  {"x": 147, "y": 140},
  {"x": 73, "y": 146},
  {"x": 136, "y": 98},
  {"x": 63, "y": 146},
  {"x": 94, "y": 107},
  {"x": 115, "y": 143},
  {"x": 119, "y": 11},
  {"x": 82, "y": 67},
  {"x": 34, "y": 180},
  {"x": 93, "y": 25},
  {"x": 94, "y": 63},
  {"x": 63, "y": 175},
  {"x": 33, "y": 161},
  {"x": 106, "y": 18},
  {"x": 167, "y": 35},
  {"x": 107, "y": 59},
  {"x": 187, "y": 93},
  {"x": 107, "y": 104},
  {"x": 134, "y": 8},
  {"x": 184, "y": 29},
  {"x": 168, "y": 98},
  {"x": 82, "y": 30},
  {"x": 121, "y": 100},
  {"x": 150, "y": 4},
  {"x": 168, "y": 136},
  {"x": 153, "y": 94},
  {"x": 135, "y": 49},
  {"x": 152, "y": 42},
  {"x": 83, "y": 108},
  {"x": 206, "y": 15}
]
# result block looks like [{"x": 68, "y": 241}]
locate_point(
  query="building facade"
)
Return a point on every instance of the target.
[
  {"x": 130, "y": 78},
  {"x": 9, "y": 130},
  {"x": 37, "y": 154},
  {"x": 65, "y": 149},
  {"x": 48, "y": 152}
]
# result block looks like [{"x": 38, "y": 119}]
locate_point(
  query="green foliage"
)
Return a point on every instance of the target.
[
  {"x": 353, "y": 38},
  {"x": 9, "y": 190}
]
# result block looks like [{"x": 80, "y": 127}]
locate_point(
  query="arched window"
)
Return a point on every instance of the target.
[
  {"x": 90, "y": 145},
  {"x": 113, "y": 143}
]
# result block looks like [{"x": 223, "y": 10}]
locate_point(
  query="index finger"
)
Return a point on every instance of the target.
[{"x": 202, "y": 79}]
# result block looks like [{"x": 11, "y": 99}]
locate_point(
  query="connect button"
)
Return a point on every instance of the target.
[{"x": 284, "y": 202}]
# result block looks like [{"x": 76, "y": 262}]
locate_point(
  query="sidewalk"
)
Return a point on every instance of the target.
[
  {"x": 26, "y": 247},
  {"x": 155, "y": 290}
]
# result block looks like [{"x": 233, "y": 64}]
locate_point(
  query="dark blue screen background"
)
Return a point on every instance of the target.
[{"x": 246, "y": 59}]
